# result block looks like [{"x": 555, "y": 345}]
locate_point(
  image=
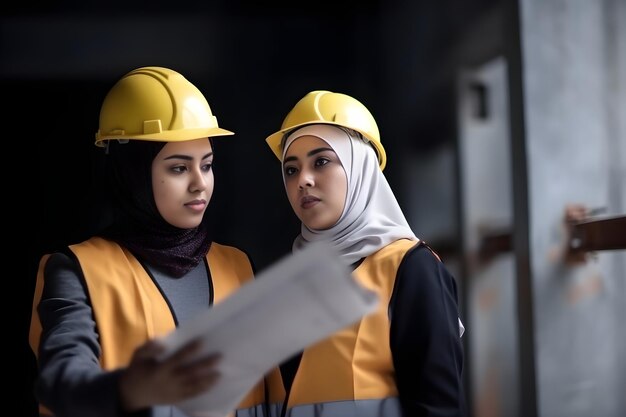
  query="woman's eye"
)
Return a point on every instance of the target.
[
  {"x": 321, "y": 162},
  {"x": 290, "y": 171},
  {"x": 179, "y": 169},
  {"x": 207, "y": 167}
]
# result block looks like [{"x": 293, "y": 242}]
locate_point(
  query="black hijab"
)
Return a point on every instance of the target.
[{"x": 137, "y": 224}]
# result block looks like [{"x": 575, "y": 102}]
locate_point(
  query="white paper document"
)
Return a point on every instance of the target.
[{"x": 297, "y": 301}]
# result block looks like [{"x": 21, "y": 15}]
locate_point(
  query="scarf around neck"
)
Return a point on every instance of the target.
[{"x": 138, "y": 225}]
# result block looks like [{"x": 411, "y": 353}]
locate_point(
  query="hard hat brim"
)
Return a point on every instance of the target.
[
  {"x": 274, "y": 140},
  {"x": 168, "y": 135}
]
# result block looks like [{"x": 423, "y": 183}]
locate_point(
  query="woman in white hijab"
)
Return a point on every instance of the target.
[{"x": 405, "y": 359}]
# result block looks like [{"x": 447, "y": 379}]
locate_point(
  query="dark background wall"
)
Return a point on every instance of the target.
[{"x": 253, "y": 61}]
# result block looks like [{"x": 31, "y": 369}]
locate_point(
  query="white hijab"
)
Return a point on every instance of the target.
[{"x": 371, "y": 218}]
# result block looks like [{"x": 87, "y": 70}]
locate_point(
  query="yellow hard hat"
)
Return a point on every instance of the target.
[
  {"x": 334, "y": 109},
  {"x": 156, "y": 104}
]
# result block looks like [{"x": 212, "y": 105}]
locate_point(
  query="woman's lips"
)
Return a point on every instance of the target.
[
  {"x": 308, "y": 201},
  {"x": 196, "y": 205}
]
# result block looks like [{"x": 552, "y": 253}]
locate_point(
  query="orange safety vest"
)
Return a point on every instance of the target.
[
  {"x": 351, "y": 373},
  {"x": 128, "y": 307}
]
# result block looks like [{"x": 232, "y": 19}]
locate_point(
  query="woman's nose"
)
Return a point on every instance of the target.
[
  {"x": 305, "y": 180},
  {"x": 198, "y": 181}
]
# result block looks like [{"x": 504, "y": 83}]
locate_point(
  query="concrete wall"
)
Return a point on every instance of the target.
[{"x": 573, "y": 85}]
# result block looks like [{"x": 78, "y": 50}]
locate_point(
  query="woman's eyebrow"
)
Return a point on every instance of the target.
[
  {"x": 310, "y": 153},
  {"x": 186, "y": 157},
  {"x": 318, "y": 150}
]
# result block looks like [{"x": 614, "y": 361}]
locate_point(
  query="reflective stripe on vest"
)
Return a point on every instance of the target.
[
  {"x": 386, "y": 407},
  {"x": 255, "y": 411}
]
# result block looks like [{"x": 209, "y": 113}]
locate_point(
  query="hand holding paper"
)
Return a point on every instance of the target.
[{"x": 292, "y": 304}]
